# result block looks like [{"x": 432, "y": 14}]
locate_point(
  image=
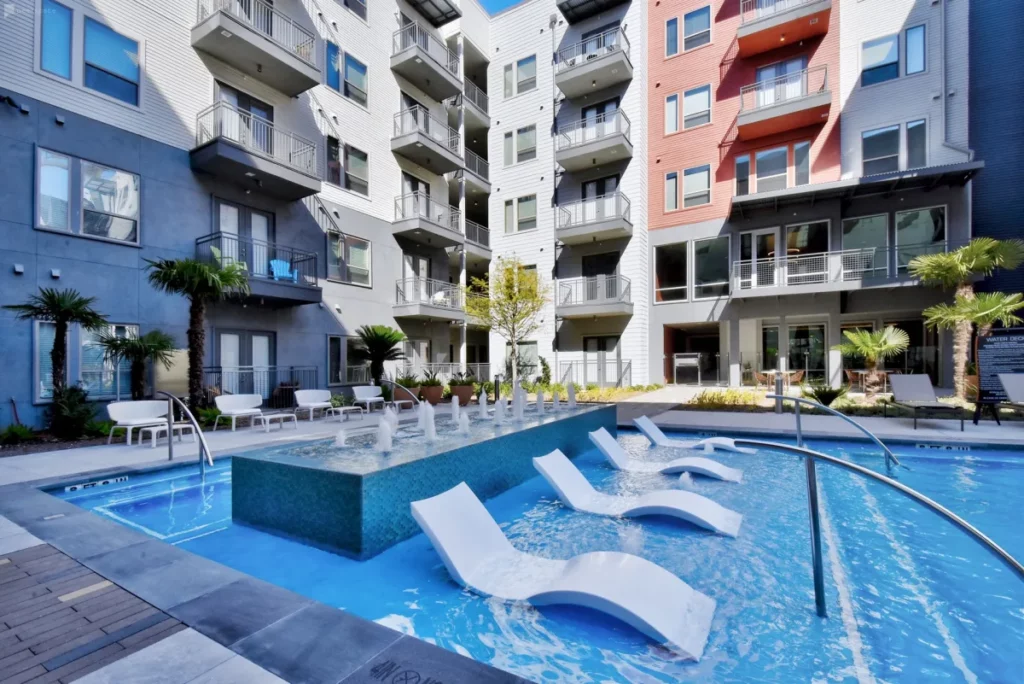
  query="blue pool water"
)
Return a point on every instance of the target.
[{"x": 910, "y": 598}]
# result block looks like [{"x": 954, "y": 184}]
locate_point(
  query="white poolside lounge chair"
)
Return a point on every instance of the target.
[
  {"x": 131, "y": 415},
  {"x": 577, "y": 493},
  {"x": 1013, "y": 385},
  {"x": 368, "y": 395},
  {"x": 618, "y": 457},
  {"x": 915, "y": 393},
  {"x": 235, "y": 406},
  {"x": 658, "y": 438},
  {"x": 311, "y": 400},
  {"x": 632, "y": 589}
]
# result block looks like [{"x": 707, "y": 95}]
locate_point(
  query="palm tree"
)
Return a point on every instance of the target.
[
  {"x": 201, "y": 282},
  {"x": 874, "y": 346},
  {"x": 155, "y": 346},
  {"x": 377, "y": 344},
  {"x": 957, "y": 271},
  {"x": 62, "y": 308}
]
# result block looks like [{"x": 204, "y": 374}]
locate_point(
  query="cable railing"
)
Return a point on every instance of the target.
[
  {"x": 205, "y": 455},
  {"x": 785, "y": 88},
  {"x": 480, "y": 371},
  {"x": 268, "y": 21},
  {"x": 415, "y": 36},
  {"x": 578, "y": 54},
  {"x": 752, "y": 10},
  {"x": 428, "y": 291},
  {"x": 594, "y": 128},
  {"x": 266, "y": 260},
  {"x": 477, "y": 165},
  {"x": 257, "y": 135},
  {"x": 614, "y": 205},
  {"x": 422, "y": 205},
  {"x": 276, "y": 384},
  {"x": 477, "y": 234},
  {"x": 602, "y": 289},
  {"x": 419, "y": 120},
  {"x": 596, "y": 371},
  {"x": 475, "y": 95}
]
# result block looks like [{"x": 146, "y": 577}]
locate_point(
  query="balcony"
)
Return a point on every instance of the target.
[
  {"x": 785, "y": 103},
  {"x": 595, "y": 219},
  {"x": 596, "y": 63},
  {"x": 260, "y": 41},
  {"x": 426, "y": 141},
  {"x": 768, "y": 24},
  {"x": 276, "y": 384},
  {"x": 596, "y": 297},
  {"x": 279, "y": 276},
  {"x": 478, "y": 242},
  {"x": 428, "y": 299},
  {"x": 247, "y": 150},
  {"x": 437, "y": 12},
  {"x": 476, "y": 106},
  {"x": 425, "y": 61},
  {"x": 577, "y": 10},
  {"x": 593, "y": 142},
  {"x": 478, "y": 173},
  {"x": 423, "y": 219},
  {"x": 851, "y": 269}
]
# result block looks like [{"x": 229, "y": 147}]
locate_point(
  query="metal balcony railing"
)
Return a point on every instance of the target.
[
  {"x": 413, "y": 35},
  {"x": 418, "y": 120},
  {"x": 421, "y": 205},
  {"x": 786, "y": 88},
  {"x": 428, "y": 291},
  {"x": 358, "y": 375},
  {"x": 276, "y": 384},
  {"x": 268, "y": 21},
  {"x": 478, "y": 165},
  {"x": 603, "y": 372},
  {"x": 578, "y": 54},
  {"x": 602, "y": 289},
  {"x": 480, "y": 371},
  {"x": 752, "y": 10},
  {"x": 614, "y": 205},
  {"x": 443, "y": 371},
  {"x": 257, "y": 135},
  {"x": 265, "y": 260},
  {"x": 477, "y": 234},
  {"x": 588, "y": 130},
  {"x": 475, "y": 95}
]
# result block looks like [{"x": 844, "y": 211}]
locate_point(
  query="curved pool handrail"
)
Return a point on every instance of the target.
[
  {"x": 395, "y": 385},
  {"x": 204, "y": 448},
  {"x": 889, "y": 456}
]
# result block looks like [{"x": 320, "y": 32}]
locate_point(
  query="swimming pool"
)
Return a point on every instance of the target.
[{"x": 910, "y": 597}]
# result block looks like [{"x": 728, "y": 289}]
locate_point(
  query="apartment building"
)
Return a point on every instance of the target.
[{"x": 802, "y": 153}]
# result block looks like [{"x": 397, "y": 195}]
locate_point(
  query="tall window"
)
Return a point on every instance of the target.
[
  {"x": 870, "y": 235},
  {"x": 671, "y": 37},
  {"x": 711, "y": 267},
  {"x": 111, "y": 62},
  {"x": 880, "y": 150},
  {"x": 333, "y": 161},
  {"x": 527, "y": 210},
  {"x": 52, "y": 204},
  {"x": 697, "y": 28},
  {"x": 55, "y": 44},
  {"x": 510, "y": 216},
  {"x": 742, "y": 174},
  {"x": 919, "y": 232},
  {"x": 671, "y": 114},
  {"x": 670, "y": 274},
  {"x": 348, "y": 259},
  {"x": 100, "y": 377},
  {"x": 355, "y": 80},
  {"x": 880, "y": 60},
  {"x": 771, "y": 169},
  {"x": 110, "y": 202},
  {"x": 357, "y": 171},
  {"x": 917, "y": 144},
  {"x": 335, "y": 360},
  {"x": 46, "y": 333},
  {"x": 526, "y": 143},
  {"x": 802, "y": 163},
  {"x": 333, "y": 66},
  {"x": 697, "y": 106},
  {"x": 697, "y": 186},
  {"x": 521, "y": 77},
  {"x": 671, "y": 191},
  {"x": 916, "y": 49},
  {"x": 357, "y": 7}
]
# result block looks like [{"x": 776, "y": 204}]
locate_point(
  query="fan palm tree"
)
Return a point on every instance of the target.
[
  {"x": 155, "y": 346},
  {"x": 62, "y": 308},
  {"x": 874, "y": 346},
  {"x": 377, "y": 344},
  {"x": 201, "y": 282},
  {"x": 957, "y": 271}
]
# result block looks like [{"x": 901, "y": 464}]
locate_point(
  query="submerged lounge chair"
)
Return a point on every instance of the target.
[
  {"x": 632, "y": 589},
  {"x": 577, "y": 493},
  {"x": 915, "y": 392},
  {"x": 618, "y": 457},
  {"x": 658, "y": 438}
]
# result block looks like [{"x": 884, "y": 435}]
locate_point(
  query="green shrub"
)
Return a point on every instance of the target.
[
  {"x": 461, "y": 380},
  {"x": 430, "y": 380},
  {"x": 725, "y": 397},
  {"x": 98, "y": 428},
  {"x": 593, "y": 387},
  {"x": 70, "y": 412},
  {"x": 486, "y": 387},
  {"x": 545, "y": 372},
  {"x": 408, "y": 380},
  {"x": 338, "y": 400},
  {"x": 823, "y": 394},
  {"x": 207, "y": 416},
  {"x": 16, "y": 434}
]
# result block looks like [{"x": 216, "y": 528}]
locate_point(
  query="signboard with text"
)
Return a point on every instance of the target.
[{"x": 1000, "y": 352}]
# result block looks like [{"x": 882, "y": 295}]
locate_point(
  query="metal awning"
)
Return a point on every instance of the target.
[
  {"x": 578, "y": 10},
  {"x": 437, "y": 12}
]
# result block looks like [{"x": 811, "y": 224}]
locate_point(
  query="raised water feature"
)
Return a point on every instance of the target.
[{"x": 355, "y": 498}]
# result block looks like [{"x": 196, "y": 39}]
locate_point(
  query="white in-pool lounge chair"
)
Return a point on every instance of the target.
[
  {"x": 618, "y": 457},
  {"x": 632, "y": 589},
  {"x": 577, "y": 493},
  {"x": 1013, "y": 385},
  {"x": 915, "y": 392},
  {"x": 658, "y": 438}
]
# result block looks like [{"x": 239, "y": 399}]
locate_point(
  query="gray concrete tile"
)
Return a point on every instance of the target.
[
  {"x": 170, "y": 585},
  {"x": 411, "y": 660},
  {"x": 177, "y": 659},
  {"x": 238, "y": 670},
  {"x": 17, "y": 542},
  {"x": 130, "y": 561}
]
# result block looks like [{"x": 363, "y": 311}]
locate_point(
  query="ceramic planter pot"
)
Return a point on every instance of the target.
[
  {"x": 399, "y": 394},
  {"x": 432, "y": 393},
  {"x": 463, "y": 392}
]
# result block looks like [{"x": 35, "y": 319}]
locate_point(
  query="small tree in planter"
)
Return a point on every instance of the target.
[
  {"x": 874, "y": 346},
  {"x": 409, "y": 381},
  {"x": 377, "y": 344},
  {"x": 431, "y": 388},
  {"x": 461, "y": 386},
  {"x": 155, "y": 346}
]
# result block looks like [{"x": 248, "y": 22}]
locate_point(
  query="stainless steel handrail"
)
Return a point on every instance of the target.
[
  {"x": 395, "y": 386},
  {"x": 204, "y": 448},
  {"x": 889, "y": 456}
]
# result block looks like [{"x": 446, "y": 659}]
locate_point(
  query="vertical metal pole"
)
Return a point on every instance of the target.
[
  {"x": 799, "y": 427},
  {"x": 778, "y": 392},
  {"x": 816, "y": 560},
  {"x": 170, "y": 429}
]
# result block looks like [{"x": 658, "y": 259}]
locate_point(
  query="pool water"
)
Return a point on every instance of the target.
[{"x": 910, "y": 598}]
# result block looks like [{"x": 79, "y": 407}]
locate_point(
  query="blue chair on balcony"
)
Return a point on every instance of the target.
[{"x": 282, "y": 270}]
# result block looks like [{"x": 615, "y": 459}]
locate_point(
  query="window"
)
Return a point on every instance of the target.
[
  {"x": 52, "y": 206},
  {"x": 771, "y": 167},
  {"x": 348, "y": 259},
  {"x": 510, "y": 217},
  {"x": 110, "y": 203},
  {"x": 671, "y": 114},
  {"x": 527, "y": 209},
  {"x": 333, "y": 66},
  {"x": 697, "y": 28},
  {"x": 357, "y": 7},
  {"x": 742, "y": 174},
  {"x": 671, "y": 191},
  {"x": 46, "y": 332},
  {"x": 697, "y": 106},
  {"x": 917, "y": 144},
  {"x": 881, "y": 150},
  {"x": 806, "y": 238},
  {"x": 672, "y": 37},
  {"x": 711, "y": 267},
  {"x": 357, "y": 171},
  {"x": 697, "y": 186},
  {"x": 55, "y": 39},
  {"x": 111, "y": 63},
  {"x": 918, "y": 232},
  {"x": 870, "y": 235},
  {"x": 509, "y": 90},
  {"x": 333, "y": 161},
  {"x": 355, "y": 80},
  {"x": 802, "y": 163},
  {"x": 100, "y": 377},
  {"x": 335, "y": 361},
  {"x": 670, "y": 275},
  {"x": 526, "y": 143},
  {"x": 525, "y": 77},
  {"x": 880, "y": 60},
  {"x": 916, "y": 46},
  {"x": 527, "y": 359},
  {"x": 510, "y": 157}
]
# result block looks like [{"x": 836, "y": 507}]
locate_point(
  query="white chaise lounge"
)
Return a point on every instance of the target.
[
  {"x": 577, "y": 493},
  {"x": 658, "y": 438},
  {"x": 131, "y": 415},
  {"x": 618, "y": 457},
  {"x": 632, "y": 589},
  {"x": 368, "y": 395},
  {"x": 311, "y": 400},
  {"x": 914, "y": 392},
  {"x": 1013, "y": 385},
  {"x": 235, "y": 406}
]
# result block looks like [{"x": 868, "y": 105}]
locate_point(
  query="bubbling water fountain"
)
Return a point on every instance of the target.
[
  {"x": 430, "y": 429},
  {"x": 686, "y": 481},
  {"x": 483, "y": 404},
  {"x": 709, "y": 448},
  {"x": 540, "y": 401},
  {"x": 391, "y": 418},
  {"x": 339, "y": 439},
  {"x": 571, "y": 391},
  {"x": 384, "y": 436},
  {"x": 555, "y": 405},
  {"x": 499, "y": 411},
  {"x": 421, "y": 416},
  {"x": 464, "y": 423},
  {"x": 455, "y": 409}
]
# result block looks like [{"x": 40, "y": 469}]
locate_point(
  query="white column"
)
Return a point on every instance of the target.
[
  {"x": 783, "y": 344},
  {"x": 732, "y": 330},
  {"x": 833, "y": 336},
  {"x": 462, "y": 202},
  {"x": 462, "y": 284}
]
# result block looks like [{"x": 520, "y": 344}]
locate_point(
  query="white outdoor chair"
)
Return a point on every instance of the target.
[
  {"x": 310, "y": 400},
  {"x": 618, "y": 457},
  {"x": 1013, "y": 385},
  {"x": 235, "y": 406},
  {"x": 369, "y": 396},
  {"x": 129, "y": 415},
  {"x": 915, "y": 393}
]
